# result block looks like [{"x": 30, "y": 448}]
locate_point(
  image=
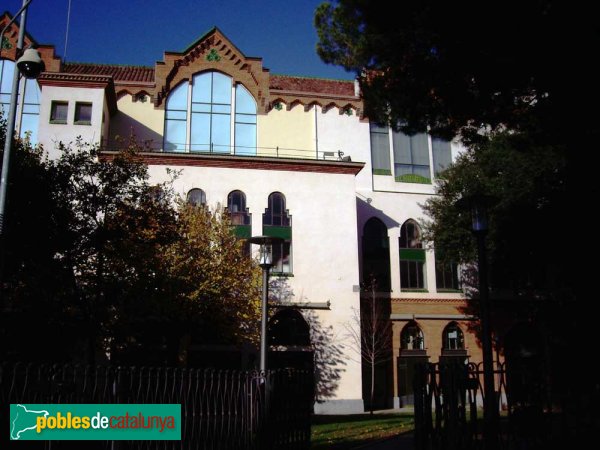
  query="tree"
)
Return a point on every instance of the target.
[
  {"x": 370, "y": 334},
  {"x": 95, "y": 250},
  {"x": 527, "y": 183},
  {"x": 216, "y": 283},
  {"x": 460, "y": 67}
]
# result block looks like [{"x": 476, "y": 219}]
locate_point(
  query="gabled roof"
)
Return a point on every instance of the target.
[{"x": 119, "y": 73}]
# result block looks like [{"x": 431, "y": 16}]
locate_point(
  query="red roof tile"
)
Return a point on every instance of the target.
[
  {"x": 119, "y": 73},
  {"x": 316, "y": 85}
]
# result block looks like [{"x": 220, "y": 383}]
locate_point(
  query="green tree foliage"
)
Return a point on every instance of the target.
[
  {"x": 456, "y": 67},
  {"x": 99, "y": 261},
  {"x": 526, "y": 183}
]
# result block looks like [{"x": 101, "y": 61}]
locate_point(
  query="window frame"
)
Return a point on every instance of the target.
[
  {"x": 205, "y": 116},
  {"x": 53, "y": 108},
  {"x": 413, "y": 258},
  {"x": 77, "y": 113},
  {"x": 419, "y": 337},
  {"x": 282, "y": 230},
  {"x": 188, "y": 198}
]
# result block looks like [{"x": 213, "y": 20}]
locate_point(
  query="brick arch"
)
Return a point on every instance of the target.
[{"x": 213, "y": 51}]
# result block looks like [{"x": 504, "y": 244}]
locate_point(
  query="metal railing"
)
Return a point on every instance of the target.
[
  {"x": 224, "y": 150},
  {"x": 220, "y": 409},
  {"x": 449, "y": 409}
]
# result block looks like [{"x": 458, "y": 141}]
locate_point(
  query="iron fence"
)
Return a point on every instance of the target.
[
  {"x": 220, "y": 409},
  {"x": 449, "y": 410}
]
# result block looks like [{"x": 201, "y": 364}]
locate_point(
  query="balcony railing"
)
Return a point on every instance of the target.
[{"x": 221, "y": 150}]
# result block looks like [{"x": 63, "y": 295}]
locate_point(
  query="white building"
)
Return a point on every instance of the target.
[{"x": 292, "y": 157}]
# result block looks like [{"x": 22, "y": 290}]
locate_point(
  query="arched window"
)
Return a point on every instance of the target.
[
  {"x": 412, "y": 257},
  {"x": 196, "y": 197},
  {"x": 236, "y": 207},
  {"x": 376, "y": 255},
  {"x": 278, "y": 223},
  {"x": 411, "y": 337},
  {"x": 453, "y": 338},
  {"x": 28, "y": 103},
  {"x": 199, "y": 116}
]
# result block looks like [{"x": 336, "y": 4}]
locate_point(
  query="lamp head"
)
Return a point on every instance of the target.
[
  {"x": 477, "y": 205},
  {"x": 265, "y": 252},
  {"x": 30, "y": 64}
]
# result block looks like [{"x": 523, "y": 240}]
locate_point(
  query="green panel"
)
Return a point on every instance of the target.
[
  {"x": 382, "y": 172},
  {"x": 281, "y": 232},
  {"x": 242, "y": 231},
  {"x": 412, "y": 178},
  {"x": 412, "y": 254}
]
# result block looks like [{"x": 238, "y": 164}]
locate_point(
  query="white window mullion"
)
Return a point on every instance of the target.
[
  {"x": 232, "y": 120},
  {"x": 188, "y": 128}
]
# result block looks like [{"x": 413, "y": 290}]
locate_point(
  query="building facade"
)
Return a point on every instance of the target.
[{"x": 290, "y": 157}]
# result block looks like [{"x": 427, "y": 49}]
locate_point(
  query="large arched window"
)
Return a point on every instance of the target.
[
  {"x": 28, "y": 103},
  {"x": 278, "y": 223},
  {"x": 196, "y": 197},
  {"x": 412, "y": 257},
  {"x": 376, "y": 255},
  {"x": 411, "y": 337},
  {"x": 199, "y": 116},
  {"x": 453, "y": 338}
]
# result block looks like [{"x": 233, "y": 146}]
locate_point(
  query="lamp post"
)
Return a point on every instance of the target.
[
  {"x": 265, "y": 261},
  {"x": 30, "y": 65},
  {"x": 477, "y": 205}
]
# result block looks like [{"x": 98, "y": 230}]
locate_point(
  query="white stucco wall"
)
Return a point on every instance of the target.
[
  {"x": 50, "y": 135},
  {"x": 324, "y": 249}
]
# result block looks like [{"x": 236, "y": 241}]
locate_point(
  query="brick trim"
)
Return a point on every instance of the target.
[{"x": 245, "y": 162}]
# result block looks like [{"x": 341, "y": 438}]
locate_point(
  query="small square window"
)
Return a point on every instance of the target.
[
  {"x": 83, "y": 113},
  {"x": 58, "y": 112}
]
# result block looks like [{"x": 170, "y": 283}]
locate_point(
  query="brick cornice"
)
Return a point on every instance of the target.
[
  {"x": 85, "y": 81},
  {"x": 68, "y": 79},
  {"x": 246, "y": 162}
]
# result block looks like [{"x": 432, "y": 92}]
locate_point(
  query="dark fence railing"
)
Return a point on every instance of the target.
[
  {"x": 220, "y": 409},
  {"x": 449, "y": 410}
]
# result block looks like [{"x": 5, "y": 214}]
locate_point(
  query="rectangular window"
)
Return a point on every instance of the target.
[
  {"x": 282, "y": 253},
  {"x": 446, "y": 276},
  {"x": 412, "y": 267},
  {"x": 83, "y": 113},
  {"x": 411, "y": 275},
  {"x": 58, "y": 112},
  {"x": 411, "y": 158},
  {"x": 282, "y": 260},
  {"x": 380, "y": 150},
  {"x": 442, "y": 154}
]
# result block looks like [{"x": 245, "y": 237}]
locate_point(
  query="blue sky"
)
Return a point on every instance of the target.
[{"x": 137, "y": 32}]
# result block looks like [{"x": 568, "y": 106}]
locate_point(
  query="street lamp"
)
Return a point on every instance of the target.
[
  {"x": 30, "y": 65},
  {"x": 265, "y": 261},
  {"x": 478, "y": 204}
]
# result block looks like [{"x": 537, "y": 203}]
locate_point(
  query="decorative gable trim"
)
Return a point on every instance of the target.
[{"x": 213, "y": 51}]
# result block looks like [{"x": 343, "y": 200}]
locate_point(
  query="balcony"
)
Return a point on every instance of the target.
[{"x": 267, "y": 158}]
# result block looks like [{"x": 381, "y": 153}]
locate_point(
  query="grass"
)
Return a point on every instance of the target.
[{"x": 348, "y": 431}]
